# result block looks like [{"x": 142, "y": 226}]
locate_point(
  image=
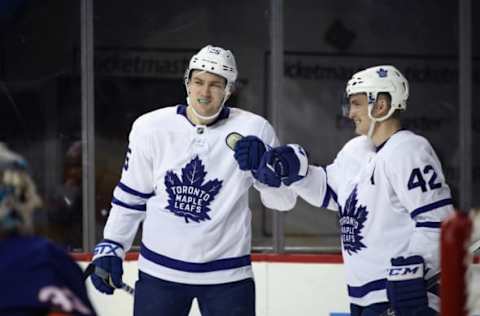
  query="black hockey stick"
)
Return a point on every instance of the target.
[
  {"x": 431, "y": 283},
  {"x": 105, "y": 276}
]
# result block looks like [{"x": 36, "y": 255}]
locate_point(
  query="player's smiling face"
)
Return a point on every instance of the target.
[
  {"x": 206, "y": 92},
  {"x": 358, "y": 113}
]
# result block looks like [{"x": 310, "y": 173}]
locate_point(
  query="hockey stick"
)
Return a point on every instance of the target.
[
  {"x": 105, "y": 276},
  {"x": 474, "y": 247}
]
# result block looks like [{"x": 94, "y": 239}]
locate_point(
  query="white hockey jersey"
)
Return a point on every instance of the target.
[
  {"x": 183, "y": 182},
  {"x": 391, "y": 201}
]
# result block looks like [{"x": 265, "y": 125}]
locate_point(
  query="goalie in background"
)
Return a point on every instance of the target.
[
  {"x": 38, "y": 277},
  {"x": 388, "y": 187}
]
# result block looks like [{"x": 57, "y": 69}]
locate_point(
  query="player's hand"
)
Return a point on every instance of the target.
[
  {"x": 266, "y": 174},
  {"x": 289, "y": 163},
  {"x": 248, "y": 152},
  {"x": 406, "y": 289},
  {"x": 108, "y": 257}
]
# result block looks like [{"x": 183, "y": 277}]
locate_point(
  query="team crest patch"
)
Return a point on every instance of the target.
[
  {"x": 189, "y": 197},
  {"x": 352, "y": 219},
  {"x": 232, "y": 139}
]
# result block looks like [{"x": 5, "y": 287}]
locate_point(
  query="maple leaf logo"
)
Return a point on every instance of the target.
[
  {"x": 189, "y": 197},
  {"x": 382, "y": 73},
  {"x": 352, "y": 219}
]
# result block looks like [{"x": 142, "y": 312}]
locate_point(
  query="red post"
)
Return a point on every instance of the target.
[{"x": 455, "y": 236}]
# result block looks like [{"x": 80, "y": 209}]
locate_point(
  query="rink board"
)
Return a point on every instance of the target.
[{"x": 285, "y": 285}]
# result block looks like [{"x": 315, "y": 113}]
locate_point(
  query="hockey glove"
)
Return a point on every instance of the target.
[
  {"x": 406, "y": 289},
  {"x": 248, "y": 152},
  {"x": 108, "y": 256},
  {"x": 266, "y": 173},
  {"x": 289, "y": 162}
]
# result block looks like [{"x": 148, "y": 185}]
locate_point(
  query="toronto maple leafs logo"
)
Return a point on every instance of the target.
[
  {"x": 189, "y": 197},
  {"x": 382, "y": 73},
  {"x": 352, "y": 219}
]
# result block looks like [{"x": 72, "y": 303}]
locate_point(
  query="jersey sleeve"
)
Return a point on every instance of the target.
[
  {"x": 321, "y": 184},
  {"x": 415, "y": 173},
  {"x": 132, "y": 192},
  {"x": 317, "y": 187},
  {"x": 281, "y": 199}
]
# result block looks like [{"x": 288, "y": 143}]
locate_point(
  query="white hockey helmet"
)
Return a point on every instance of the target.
[
  {"x": 18, "y": 194},
  {"x": 380, "y": 79},
  {"x": 215, "y": 60}
]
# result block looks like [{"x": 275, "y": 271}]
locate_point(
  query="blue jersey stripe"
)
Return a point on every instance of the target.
[
  {"x": 429, "y": 224},
  {"x": 333, "y": 193},
  {"x": 361, "y": 291},
  {"x": 127, "y": 189},
  {"x": 327, "y": 198},
  {"x": 137, "y": 207},
  {"x": 113, "y": 242},
  {"x": 216, "y": 265},
  {"x": 430, "y": 207},
  {"x": 329, "y": 194}
]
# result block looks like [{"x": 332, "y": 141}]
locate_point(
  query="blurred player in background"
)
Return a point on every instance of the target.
[
  {"x": 182, "y": 181},
  {"x": 389, "y": 189},
  {"x": 38, "y": 278}
]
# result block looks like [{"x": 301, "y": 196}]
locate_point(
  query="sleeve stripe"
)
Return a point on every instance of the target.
[
  {"x": 329, "y": 194},
  {"x": 327, "y": 197},
  {"x": 334, "y": 195},
  {"x": 127, "y": 189},
  {"x": 430, "y": 207},
  {"x": 429, "y": 224},
  {"x": 113, "y": 242},
  {"x": 137, "y": 207}
]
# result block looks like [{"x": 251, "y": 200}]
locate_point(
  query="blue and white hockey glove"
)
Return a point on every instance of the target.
[
  {"x": 406, "y": 287},
  {"x": 248, "y": 152},
  {"x": 266, "y": 173},
  {"x": 289, "y": 163},
  {"x": 108, "y": 257}
]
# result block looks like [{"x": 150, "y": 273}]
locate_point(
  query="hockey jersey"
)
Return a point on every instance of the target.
[
  {"x": 39, "y": 278},
  {"x": 183, "y": 182},
  {"x": 390, "y": 202}
]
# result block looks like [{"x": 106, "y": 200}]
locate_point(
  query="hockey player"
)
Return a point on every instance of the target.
[
  {"x": 182, "y": 181},
  {"x": 38, "y": 278},
  {"x": 388, "y": 187}
]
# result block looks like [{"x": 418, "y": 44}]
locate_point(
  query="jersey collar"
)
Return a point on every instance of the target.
[
  {"x": 383, "y": 144},
  {"x": 224, "y": 114}
]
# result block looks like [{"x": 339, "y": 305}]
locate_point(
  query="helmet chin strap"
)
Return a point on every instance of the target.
[
  {"x": 374, "y": 120},
  {"x": 203, "y": 117},
  {"x": 210, "y": 117},
  {"x": 371, "y": 128}
]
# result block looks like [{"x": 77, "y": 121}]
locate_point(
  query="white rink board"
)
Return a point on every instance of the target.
[{"x": 282, "y": 289}]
